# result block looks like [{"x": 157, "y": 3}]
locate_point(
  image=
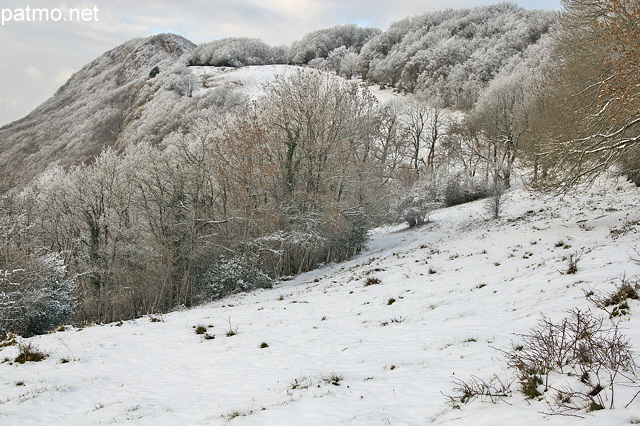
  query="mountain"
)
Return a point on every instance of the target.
[
  {"x": 145, "y": 89},
  {"x": 138, "y": 92},
  {"x": 95, "y": 108}
]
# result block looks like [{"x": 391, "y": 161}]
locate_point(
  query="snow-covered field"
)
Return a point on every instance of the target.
[
  {"x": 249, "y": 80},
  {"x": 449, "y": 295}
]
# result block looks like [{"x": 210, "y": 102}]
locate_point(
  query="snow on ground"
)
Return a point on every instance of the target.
[
  {"x": 250, "y": 80},
  {"x": 462, "y": 286},
  {"x": 385, "y": 94}
]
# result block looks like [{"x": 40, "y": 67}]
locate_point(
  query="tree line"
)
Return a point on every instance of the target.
[{"x": 232, "y": 200}]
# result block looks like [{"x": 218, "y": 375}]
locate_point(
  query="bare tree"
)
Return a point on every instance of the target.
[
  {"x": 416, "y": 115},
  {"x": 502, "y": 114},
  {"x": 391, "y": 148},
  {"x": 590, "y": 94}
]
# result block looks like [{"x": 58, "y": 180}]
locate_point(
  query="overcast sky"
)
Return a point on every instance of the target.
[{"x": 38, "y": 57}]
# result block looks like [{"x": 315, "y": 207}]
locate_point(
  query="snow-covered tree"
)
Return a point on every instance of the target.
[
  {"x": 235, "y": 52},
  {"x": 319, "y": 44},
  {"x": 36, "y": 289},
  {"x": 502, "y": 114},
  {"x": 454, "y": 52}
]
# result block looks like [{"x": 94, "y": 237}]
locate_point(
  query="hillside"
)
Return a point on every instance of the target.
[
  {"x": 141, "y": 91},
  {"x": 336, "y": 232},
  {"x": 338, "y": 351},
  {"x": 94, "y": 109}
]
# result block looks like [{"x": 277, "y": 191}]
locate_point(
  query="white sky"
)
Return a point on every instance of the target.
[{"x": 38, "y": 57}]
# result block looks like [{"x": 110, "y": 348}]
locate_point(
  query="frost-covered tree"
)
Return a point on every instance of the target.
[
  {"x": 132, "y": 227},
  {"x": 183, "y": 81},
  {"x": 342, "y": 61},
  {"x": 319, "y": 44},
  {"x": 454, "y": 52},
  {"x": 424, "y": 124},
  {"x": 36, "y": 298},
  {"x": 319, "y": 133},
  {"x": 36, "y": 291},
  {"x": 391, "y": 148},
  {"x": 235, "y": 52},
  {"x": 502, "y": 114}
]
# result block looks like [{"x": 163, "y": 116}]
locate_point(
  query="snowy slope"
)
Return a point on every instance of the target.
[
  {"x": 249, "y": 80},
  {"x": 462, "y": 286}
]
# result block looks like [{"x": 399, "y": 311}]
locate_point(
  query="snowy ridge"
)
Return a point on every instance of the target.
[{"x": 449, "y": 294}]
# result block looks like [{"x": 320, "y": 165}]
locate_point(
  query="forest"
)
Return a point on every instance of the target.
[{"x": 216, "y": 195}]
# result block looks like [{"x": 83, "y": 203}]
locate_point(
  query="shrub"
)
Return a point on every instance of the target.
[
  {"x": 29, "y": 353},
  {"x": 37, "y": 298},
  {"x": 351, "y": 237},
  {"x": 493, "y": 390},
  {"x": 495, "y": 201},
  {"x": 371, "y": 281},
  {"x": 616, "y": 303},
  {"x": 332, "y": 379},
  {"x": 231, "y": 331},
  {"x": 54, "y": 306},
  {"x": 572, "y": 263},
  {"x": 228, "y": 276},
  {"x": 415, "y": 207},
  {"x": 580, "y": 359},
  {"x": 154, "y": 72},
  {"x": 311, "y": 238},
  {"x": 459, "y": 191},
  {"x": 580, "y": 346},
  {"x": 626, "y": 290},
  {"x": 10, "y": 340},
  {"x": 529, "y": 382},
  {"x": 302, "y": 382},
  {"x": 235, "y": 413}
]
